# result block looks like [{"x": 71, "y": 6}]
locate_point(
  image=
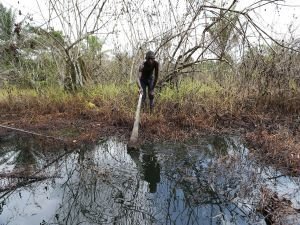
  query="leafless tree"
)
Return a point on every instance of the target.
[
  {"x": 183, "y": 33},
  {"x": 186, "y": 33},
  {"x": 78, "y": 20}
]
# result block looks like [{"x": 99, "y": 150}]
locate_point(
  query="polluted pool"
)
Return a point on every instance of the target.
[{"x": 213, "y": 180}]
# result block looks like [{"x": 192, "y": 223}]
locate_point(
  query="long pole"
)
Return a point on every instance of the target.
[{"x": 135, "y": 130}]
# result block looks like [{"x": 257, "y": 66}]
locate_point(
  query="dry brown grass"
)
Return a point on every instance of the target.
[
  {"x": 280, "y": 148},
  {"x": 277, "y": 210}
]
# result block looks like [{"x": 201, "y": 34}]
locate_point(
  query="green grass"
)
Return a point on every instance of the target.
[{"x": 190, "y": 89}]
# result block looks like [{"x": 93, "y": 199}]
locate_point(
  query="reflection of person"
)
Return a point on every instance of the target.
[
  {"x": 149, "y": 168},
  {"x": 146, "y": 80}
]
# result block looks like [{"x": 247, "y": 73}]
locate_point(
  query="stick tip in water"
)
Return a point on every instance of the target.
[{"x": 132, "y": 146}]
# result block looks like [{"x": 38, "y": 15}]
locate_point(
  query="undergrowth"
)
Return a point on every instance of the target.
[
  {"x": 270, "y": 124},
  {"x": 190, "y": 98}
]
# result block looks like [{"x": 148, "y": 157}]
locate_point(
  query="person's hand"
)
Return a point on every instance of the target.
[
  {"x": 140, "y": 91},
  {"x": 152, "y": 92}
]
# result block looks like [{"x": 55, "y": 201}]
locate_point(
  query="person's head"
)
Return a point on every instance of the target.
[{"x": 150, "y": 57}]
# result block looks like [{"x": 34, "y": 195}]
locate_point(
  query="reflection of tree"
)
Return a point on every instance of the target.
[
  {"x": 104, "y": 188},
  {"x": 108, "y": 189},
  {"x": 23, "y": 158},
  {"x": 213, "y": 186},
  {"x": 28, "y": 159},
  {"x": 105, "y": 185}
]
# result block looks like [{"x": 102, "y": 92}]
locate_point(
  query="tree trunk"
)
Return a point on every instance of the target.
[{"x": 76, "y": 73}]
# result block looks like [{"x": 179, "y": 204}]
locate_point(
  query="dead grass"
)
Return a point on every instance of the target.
[
  {"x": 276, "y": 210},
  {"x": 279, "y": 148}
]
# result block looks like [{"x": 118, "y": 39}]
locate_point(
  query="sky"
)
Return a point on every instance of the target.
[
  {"x": 274, "y": 20},
  {"x": 277, "y": 20}
]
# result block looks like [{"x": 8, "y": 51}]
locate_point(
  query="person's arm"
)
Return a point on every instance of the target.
[
  {"x": 156, "y": 74},
  {"x": 139, "y": 79}
]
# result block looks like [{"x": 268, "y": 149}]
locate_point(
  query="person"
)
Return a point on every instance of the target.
[
  {"x": 146, "y": 79},
  {"x": 151, "y": 171}
]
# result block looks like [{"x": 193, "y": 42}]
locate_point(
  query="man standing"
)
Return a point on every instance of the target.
[{"x": 146, "y": 79}]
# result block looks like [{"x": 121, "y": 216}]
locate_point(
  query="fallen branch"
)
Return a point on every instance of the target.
[
  {"x": 20, "y": 184},
  {"x": 31, "y": 132},
  {"x": 24, "y": 176}
]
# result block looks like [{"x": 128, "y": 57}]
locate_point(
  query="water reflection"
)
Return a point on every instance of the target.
[
  {"x": 208, "y": 181},
  {"x": 148, "y": 167}
]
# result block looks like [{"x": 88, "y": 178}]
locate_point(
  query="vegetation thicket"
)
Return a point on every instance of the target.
[{"x": 53, "y": 83}]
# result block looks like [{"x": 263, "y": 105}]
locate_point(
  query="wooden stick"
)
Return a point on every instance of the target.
[{"x": 135, "y": 130}]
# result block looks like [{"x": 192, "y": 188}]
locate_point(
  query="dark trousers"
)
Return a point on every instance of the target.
[{"x": 147, "y": 86}]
